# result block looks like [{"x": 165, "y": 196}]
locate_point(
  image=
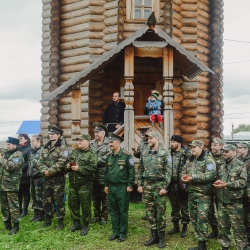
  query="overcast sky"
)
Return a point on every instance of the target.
[{"x": 20, "y": 50}]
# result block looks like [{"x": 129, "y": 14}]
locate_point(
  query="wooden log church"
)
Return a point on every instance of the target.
[{"x": 93, "y": 48}]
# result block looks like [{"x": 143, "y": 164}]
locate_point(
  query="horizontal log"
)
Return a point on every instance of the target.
[
  {"x": 203, "y": 118},
  {"x": 203, "y": 20},
  {"x": 96, "y": 51},
  {"x": 176, "y": 8},
  {"x": 74, "y": 45},
  {"x": 53, "y": 112},
  {"x": 46, "y": 1},
  {"x": 74, "y": 14},
  {"x": 110, "y": 38},
  {"x": 177, "y": 2},
  {"x": 191, "y": 112},
  {"x": 96, "y": 35},
  {"x": 189, "y": 39},
  {"x": 73, "y": 68},
  {"x": 203, "y": 43},
  {"x": 178, "y": 97},
  {"x": 203, "y": 7},
  {"x": 176, "y": 106},
  {"x": 177, "y": 80},
  {"x": 203, "y": 50},
  {"x": 188, "y": 120},
  {"x": 46, "y": 65},
  {"x": 74, "y": 60},
  {"x": 110, "y": 5},
  {"x": 189, "y": 22},
  {"x": 189, "y": 103},
  {"x": 189, "y": 86},
  {"x": 45, "y": 117},
  {"x": 46, "y": 35},
  {"x": 110, "y": 21},
  {"x": 190, "y": 1},
  {"x": 44, "y": 110},
  {"x": 96, "y": 26},
  {"x": 177, "y": 24},
  {"x": 203, "y": 35},
  {"x": 73, "y": 37},
  {"x": 46, "y": 21},
  {"x": 176, "y": 16},
  {"x": 177, "y": 131},
  {"x": 67, "y": 116},
  {"x": 203, "y": 133},
  {"x": 111, "y": 12},
  {"x": 189, "y": 7},
  {"x": 95, "y": 102},
  {"x": 44, "y": 126},
  {"x": 66, "y": 2},
  {"x": 188, "y": 129},
  {"x": 202, "y": 86},
  {"x": 177, "y": 115},
  {"x": 203, "y": 109},
  {"x": 177, "y": 123},
  {"x": 189, "y": 30},
  {"x": 46, "y": 14},
  {"x": 75, "y": 29},
  {"x": 96, "y": 2},
  {"x": 203, "y": 125},
  {"x": 96, "y": 43},
  {"x": 74, "y": 6},
  {"x": 176, "y": 32},
  {"x": 45, "y": 72},
  {"x": 177, "y": 89},
  {"x": 189, "y": 94},
  {"x": 203, "y": 94},
  {"x": 73, "y": 52},
  {"x": 176, "y": 39},
  {"x": 109, "y": 46},
  {"x": 188, "y": 14},
  {"x": 96, "y": 10},
  {"x": 74, "y": 21},
  {"x": 111, "y": 29},
  {"x": 202, "y": 102},
  {"x": 203, "y": 28},
  {"x": 45, "y": 87},
  {"x": 65, "y": 77}
]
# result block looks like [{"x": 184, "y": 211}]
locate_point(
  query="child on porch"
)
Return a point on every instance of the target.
[{"x": 154, "y": 107}]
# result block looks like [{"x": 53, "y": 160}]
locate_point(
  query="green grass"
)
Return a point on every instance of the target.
[{"x": 32, "y": 237}]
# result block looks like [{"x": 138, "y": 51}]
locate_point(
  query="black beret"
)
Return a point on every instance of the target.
[
  {"x": 55, "y": 130},
  {"x": 99, "y": 127},
  {"x": 113, "y": 137},
  {"x": 13, "y": 140},
  {"x": 177, "y": 138}
]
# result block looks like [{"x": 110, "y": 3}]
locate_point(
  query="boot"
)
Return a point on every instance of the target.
[
  {"x": 60, "y": 225},
  {"x": 76, "y": 226},
  {"x": 48, "y": 221},
  {"x": 25, "y": 206},
  {"x": 176, "y": 228},
  {"x": 85, "y": 229},
  {"x": 152, "y": 124},
  {"x": 36, "y": 213},
  {"x": 160, "y": 124},
  {"x": 184, "y": 231},
  {"x": 40, "y": 216},
  {"x": 15, "y": 229},
  {"x": 7, "y": 225},
  {"x": 214, "y": 233},
  {"x": 161, "y": 243},
  {"x": 154, "y": 239}
]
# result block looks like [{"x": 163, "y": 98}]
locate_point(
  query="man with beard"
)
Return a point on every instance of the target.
[
  {"x": 244, "y": 156},
  {"x": 101, "y": 147},
  {"x": 10, "y": 175},
  {"x": 216, "y": 150},
  {"x": 199, "y": 174},
  {"x": 230, "y": 185},
  {"x": 177, "y": 194},
  {"x": 154, "y": 176}
]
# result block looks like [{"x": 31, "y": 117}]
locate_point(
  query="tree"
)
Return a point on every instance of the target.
[{"x": 242, "y": 127}]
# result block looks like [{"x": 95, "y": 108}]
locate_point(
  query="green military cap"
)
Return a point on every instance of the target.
[
  {"x": 228, "y": 147},
  {"x": 144, "y": 129},
  {"x": 53, "y": 129},
  {"x": 113, "y": 137},
  {"x": 99, "y": 127},
  {"x": 84, "y": 137},
  {"x": 242, "y": 144},
  {"x": 218, "y": 140},
  {"x": 153, "y": 134},
  {"x": 197, "y": 143}
]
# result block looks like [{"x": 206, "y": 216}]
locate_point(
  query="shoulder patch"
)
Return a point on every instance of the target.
[
  {"x": 131, "y": 161},
  {"x": 65, "y": 153},
  {"x": 16, "y": 160},
  {"x": 125, "y": 152},
  {"x": 109, "y": 153},
  {"x": 169, "y": 159},
  {"x": 210, "y": 167}
]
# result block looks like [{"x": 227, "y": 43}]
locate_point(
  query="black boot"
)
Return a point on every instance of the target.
[
  {"x": 36, "y": 214},
  {"x": 154, "y": 239},
  {"x": 48, "y": 221},
  {"x": 40, "y": 216},
  {"x": 176, "y": 228},
  {"x": 85, "y": 229},
  {"x": 7, "y": 225},
  {"x": 26, "y": 201},
  {"x": 214, "y": 233},
  {"x": 76, "y": 226},
  {"x": 14, "y": 229},
  {"x": 60, "y": 225},
  {"x": 184, "y": 231},
  {"x": 161, "y": 243}
]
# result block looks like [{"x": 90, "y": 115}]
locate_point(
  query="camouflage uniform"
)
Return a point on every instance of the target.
[
  {"x": 98, "y": 195},
  {"x": 142, "y": 146},
  {"x": 230, "y": 211},
  {"x": 53, "y": 159},
  {"x": 10, "y": 176},
  {"x": 202, "y": 171},
  {"x": 177, "y": 195}
]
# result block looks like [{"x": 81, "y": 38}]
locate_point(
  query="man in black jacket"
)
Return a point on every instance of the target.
[{"x": 113, "y": 116}]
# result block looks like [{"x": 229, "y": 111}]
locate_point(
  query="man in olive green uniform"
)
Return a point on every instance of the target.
[
  {"x": 244, "y": 156},
  {"x": 154, "y": 176},
  {"x": 101, "y": 147},
  {"x": 51, "y": 165},
  {"x": 81, "y": 165},
  {"x": 199, "y": 174},
  {"x": 230, "y": 185},
  {"x": 10, "y": 175},
  {"x": 216, "y": 150},
  {"x": 177, "y": 194},
  {"x": 119, "y": 180}
]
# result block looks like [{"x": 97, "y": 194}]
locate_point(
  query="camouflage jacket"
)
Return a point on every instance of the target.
[
  {"x": 87, "y": 162},
  {"x": 34, "y": 156},
  {"x": 101, "y": 151},
  {"x": 202, "y": 171},
  {"x": 219, "y": 160},
  {"x": 235, "y": 176},
  {"x": 142, "y": 146},
  {"x": 120, "y": 169},
  {"x": 11, "y": 170},
  {"x": 155, "y": 166},
  {"x": 53, "y": 158},
  {"x": 246, "y": 196}
]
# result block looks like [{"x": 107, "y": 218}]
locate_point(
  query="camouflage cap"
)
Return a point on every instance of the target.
[
  {"x": 114, "y": 137},
  {"x": 153, "y": 134},
  {"x": 218, "y": 140},
  {"x": 229, "y": 147},
  {"x": 53, "y": 129},
  {"x": 242, "y": 144},
  {"x": 99, "y": 127},
  {"x": 197, "y": 143},
  {"x": 84, "y": 137}
]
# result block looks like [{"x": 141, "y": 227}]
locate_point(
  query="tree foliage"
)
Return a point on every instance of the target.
[{"x": 242, "y": 127}]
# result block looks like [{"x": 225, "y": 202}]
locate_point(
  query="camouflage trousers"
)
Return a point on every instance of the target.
[
  {"x": 198, "y": 206},
  {"x": 54, "y": 190},
  {"x": 80, "y": 198},
  {"x": 37, "y": 189},
  {"x": 10, "y": 206},
  {"x": 100, "y": 201},
  {"x": 179, "y": 206},
  {"x": 155, "y": 206},
  {"x": 246, "y": 208},
  {"x": 212, "y": 217},
  {"x": 231, "y": 215}
]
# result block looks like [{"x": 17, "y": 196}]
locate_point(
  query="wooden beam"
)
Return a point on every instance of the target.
[{"x": 148, "y": 52}]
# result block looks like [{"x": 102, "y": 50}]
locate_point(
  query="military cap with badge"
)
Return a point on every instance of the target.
[
  {"x": 242, "y": 144},
  {"x": 153, "y": 134},
  {"x": 84, "y": 137},
  {"x": 143, "y": 130},
  {"x": 113, "y": 137},
  {"x": 197, "y": 143},
  {"x": 53, "y": 129},
  {"x": 99, "y": 127},
  {"x": 229, "y": 147},
  {"x": 218, "y": 140}
]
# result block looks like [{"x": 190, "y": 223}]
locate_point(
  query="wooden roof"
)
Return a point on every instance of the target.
[{"x": 187, "y": 64}]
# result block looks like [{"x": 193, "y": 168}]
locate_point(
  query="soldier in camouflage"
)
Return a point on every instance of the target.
[
  {"x": 51, "y": 165},
  {"x": 36, "y": 178},
  {"x": 177, "y": 194},
  {"x": 101, "y": 147},
  {"x": 199, "y": 174},
  {"x": 81, "y": 165},
  {"x": 10, "y": 176},
  {"x": 230, "y": 185},
  {"x": 154, "y": 176},
  {"x": 244, "y": 156},
  {"x": 216, "y": 150}
]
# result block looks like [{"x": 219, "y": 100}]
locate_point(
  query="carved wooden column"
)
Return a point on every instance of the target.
[
  {"x": 129, "y": 98},
  {"x": 168, "y": 72}
]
